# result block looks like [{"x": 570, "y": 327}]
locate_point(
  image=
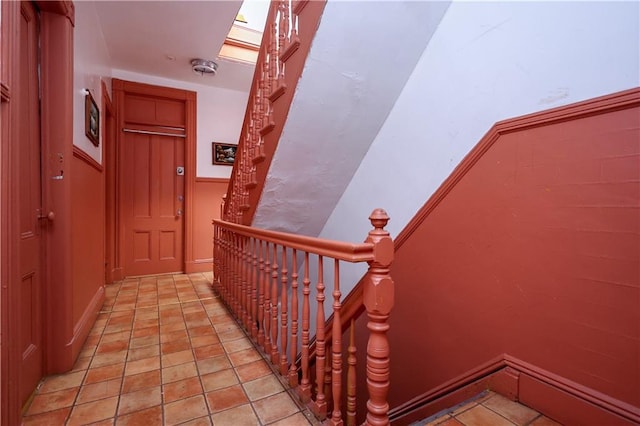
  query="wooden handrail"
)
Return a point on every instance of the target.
[
  {"x": 256, "y": 273},
  {"x": 349, "y": 252}
]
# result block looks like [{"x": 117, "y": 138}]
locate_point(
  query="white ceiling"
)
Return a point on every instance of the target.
[{"x": 142, "y": 35}]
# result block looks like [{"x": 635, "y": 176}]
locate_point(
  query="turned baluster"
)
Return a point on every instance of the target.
[
  {"x": 294, "y": 27},
  {"x": 273, "y": 56},
  {"x": 254, "y": 290},
  {"x": 220, "y": 251},
  {"x": 378, "y": 300},
  {"x": 275, "y": 357},
  {"x": 327, "y": 379},
  {"x": 283, "y": 37},
  {"x": 232, "y": 274},
  {"x": 293, "y": 372},
  {"x": 267, "y": 301},
  {"x": 237, "y": 284},
  {"x": 247, "y": 295},
  {"x": 216, "y": 249},
  {"x": 320, "y": 402},
  {"x": 351, "y": 376},
  {"x": 243, "y": 286},
  {"x": 336, "y": 349},
  {"x": 224, "y": 239},
  {"x": 261, "y": 273},
  {"x": 284, "y": 319},
  {"x": 305, "y": 384}
]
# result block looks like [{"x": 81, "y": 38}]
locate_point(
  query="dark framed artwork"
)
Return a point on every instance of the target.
[
  {"x": 91, "y": 119},
  {"x": 223, "y": 154}
]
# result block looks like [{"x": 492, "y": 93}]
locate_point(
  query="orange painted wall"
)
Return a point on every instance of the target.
[
  {"x": 88, "y": 242},
  {"x": 207, "y": 197},
  {"x": 534, "y": 252}
]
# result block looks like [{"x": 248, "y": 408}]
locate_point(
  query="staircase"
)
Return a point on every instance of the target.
[
  {"x": 256, "y": 273},
  {"x": 456, "y": 295}
]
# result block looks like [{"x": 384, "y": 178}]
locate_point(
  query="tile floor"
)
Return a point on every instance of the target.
[
  {"x": 164, "y": 350},
  {"x": 488, "y": 408}
]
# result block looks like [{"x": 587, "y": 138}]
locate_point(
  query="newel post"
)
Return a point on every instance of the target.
[{"x": 378, "y": 300}]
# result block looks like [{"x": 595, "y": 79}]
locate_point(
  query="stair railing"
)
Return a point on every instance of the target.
[
  {"x": 264, "y": 279},
  {"x": 286, "y": 40}
]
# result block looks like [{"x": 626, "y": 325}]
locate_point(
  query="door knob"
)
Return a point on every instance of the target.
[
  {"x": 179, "y": 212},
  {"x": 50, "y": 216}
]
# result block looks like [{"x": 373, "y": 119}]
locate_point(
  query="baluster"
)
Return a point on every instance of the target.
[
  {"x": 261, "y": 295},
  {"x": 247, "y": 288},
  {"x": 378, "y": 301},
  {"x": 224, "y": 234},
  {"x": 294, "y": 28},
  {"x": 320, "y": 406},
  {"x": 351, "y": 376},
  {"x": 284, "y": 320},
  {"x": 280, "y": 50},
  {"x": 267, "y": 302},
  {"x": 243, "y": 282},
  {"x": 254, "y": 291},
  {"x": 327, "y": 378},
  {"x": 230, "y": 275},
  {"x": 293, "y": 372},
  {"x": 275, "y": 357},
  {"x": 238, "y": 283},
  {"x": 305, "y": 385},
  {"x": 273, "y": 58},
  {"x": 336, "y": 388},
  {"x": 284, "y": 26}
]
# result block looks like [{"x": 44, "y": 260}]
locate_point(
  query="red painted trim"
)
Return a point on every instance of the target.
[
  {"x": 591, "y": 396},
  {"x": 190, "y": 178},
  {"x": 428, "y": 398},
  {"x": 133, "y": 87},
  {"x": 199, "y": 265},
  {"x": 110, "y": 184},
  {"x": 81, "y": 155},
  {"x": 82, "y": 328},
  {"x": 612, "y": 102},
  {"x": 9, "y": 404},
  {"x": 212, "y": 180},
  {"x": 504, "y": 374},
  {"x": 57, "y": 137}
]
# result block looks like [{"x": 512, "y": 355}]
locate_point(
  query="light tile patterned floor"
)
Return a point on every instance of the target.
[
  {"x": 164, "y": 350},
  {"x": 488, "y": 408}
]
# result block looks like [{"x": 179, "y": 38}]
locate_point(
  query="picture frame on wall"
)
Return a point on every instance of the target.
[
  {"x": 223, "y": 154},
  {"x": 91, "y": 119}
]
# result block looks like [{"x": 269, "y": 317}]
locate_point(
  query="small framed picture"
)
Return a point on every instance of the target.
[
  {"x": 223, "y": 154},
  {"x": 91, "y": 119}
]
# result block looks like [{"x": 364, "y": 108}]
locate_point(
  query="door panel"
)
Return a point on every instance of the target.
[
  {"x": 153, "y": 238},
  {"x": 29, "y": 199}
]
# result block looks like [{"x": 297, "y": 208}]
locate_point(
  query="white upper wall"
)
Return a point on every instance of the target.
[
  {"x": 485, "y": 63},
  {"x": 91, "y": 65},
  {"x": 220, "y": 113}
]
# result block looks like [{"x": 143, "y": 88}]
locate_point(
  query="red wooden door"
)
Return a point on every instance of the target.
[
  {"x": 28, "y": 297},
  {"x": 153, "y": 203}
]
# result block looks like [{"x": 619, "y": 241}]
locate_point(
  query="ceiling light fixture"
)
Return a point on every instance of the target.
[{"x": 204, "y": 67}]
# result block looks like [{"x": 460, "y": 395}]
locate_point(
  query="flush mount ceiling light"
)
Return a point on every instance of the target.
[{"x": 204, "y": 67}]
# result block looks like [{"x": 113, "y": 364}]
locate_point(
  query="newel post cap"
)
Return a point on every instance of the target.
[{"x": 381, "y": 239}]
